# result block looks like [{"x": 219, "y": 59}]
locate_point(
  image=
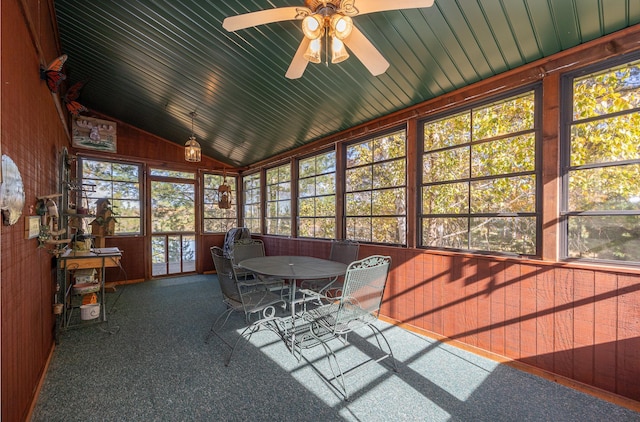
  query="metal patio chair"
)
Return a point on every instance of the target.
[
  {"x": 249, "y": 297},
  {"x": 321, "y": 326},
  {"x": 345, "y": 251}
]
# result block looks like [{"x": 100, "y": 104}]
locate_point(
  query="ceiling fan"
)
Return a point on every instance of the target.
[{"x": 330, "y": 19}]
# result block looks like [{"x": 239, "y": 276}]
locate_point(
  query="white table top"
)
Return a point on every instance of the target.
[{"x": 294, "y": 267}]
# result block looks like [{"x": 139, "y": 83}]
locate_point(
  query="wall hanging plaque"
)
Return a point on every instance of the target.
[
  {"x": 96, "y": 134},
  {"x": 11, "y": 192}
]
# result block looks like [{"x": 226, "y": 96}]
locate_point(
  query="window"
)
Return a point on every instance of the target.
[
  {"x": 278, "y": 208},
  {"x": 251, "y": 191},
  {"x": 317, "y": 196},
  {"x": 375, "y": 189},
  {"x": 602, "y": 164},
  {"x": 479, "y": 178},
  {"x": 120, "y": 184},
  {"x": 216, "y": 219}
]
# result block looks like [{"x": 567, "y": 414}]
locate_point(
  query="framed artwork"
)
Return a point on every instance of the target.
[
  {"x": 31, "y": 226},
  {"x": 95, "y": 134}
]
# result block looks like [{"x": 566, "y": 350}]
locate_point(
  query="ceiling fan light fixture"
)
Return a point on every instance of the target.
[
  {"x": 338, "y": 52},
  {"x": 192, "y": 150},
  {"x": 313, "y": 51},
  {"x": 341, "y": 26},
  {"x": 313, "y": 26}
]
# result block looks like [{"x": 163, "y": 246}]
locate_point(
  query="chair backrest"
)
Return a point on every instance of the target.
[
  {"x": 232, "y": 236},
  {"x": 345, "y": 251},
  {"x": 362, "y": 292},
  {"x": 226, "y": 274},
  {"x": 247, "y": 248}
]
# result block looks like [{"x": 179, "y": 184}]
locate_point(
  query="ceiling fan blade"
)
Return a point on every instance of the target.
[
  {"x": 371, "y": 6},
  {"x": 366, "y": 52},
  {"x": 261, "y": 17},
  {"x": 299, "y": 63}
]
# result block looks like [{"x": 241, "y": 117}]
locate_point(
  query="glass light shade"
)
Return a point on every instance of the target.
[
  {"x": 338, "y": 52},
  {"x": 313, "y": 51},
  {"x": 313, "y": 26},
  {"x": 192, "y": 150},
  {"x": 341, "y": 26}
]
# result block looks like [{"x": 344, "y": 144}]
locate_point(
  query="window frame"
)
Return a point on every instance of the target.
[
  {"x": 258, "y": 176},
  {"x": 566, "y": 123},
  {"x": 536, "y": 90},
  {"x": 345, "y": 216},
  {"x": 231, "y": 221},
  {"x": 278, "y": 201},
  {"x": 141, "y": 191},
  {"x": 315, "y": 175}
]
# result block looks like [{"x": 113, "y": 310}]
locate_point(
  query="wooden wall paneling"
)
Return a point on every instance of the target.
[
  {"x": 440, "y": 278},
  {"x": 583, "y": 325},
  {"x": 563, "y": 323},
  {"x": 605, "y": 330},
  {"x": 512, "y": 310},
  {"x": 497, "y": 297},
  {"x": 470, "y": 292},
  {"x": 628, "y": 350},
  {"x": 485, "y": 283},
  {"x": 528, "y": 314},
  {"x": 545, "y": 282},
  {"x": 425, "y": 278}
]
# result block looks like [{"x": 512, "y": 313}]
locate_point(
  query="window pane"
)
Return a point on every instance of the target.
[
  {"x": 307, "y": 207},
  {"x": 359, "y": 229},
  {"x": 358, "y": 203},
  {"x": 445, "y": 232},
  {"x": 452, "y": 164},
  {"x": 605, "y": 237},
  {"x": 359, "y": 154},
  {"x": 388, "y": 202},
  {"x": 605, "y": 188},
  {"x": 513, "y": 194},
  {"x": 451, "y": 131},
  {"x": 505, "y": 234},
  {"x": 605, "y": 140},
  {"x": 509, "y": 155},
  {"x": 388, "y": 230},
  {"x": 390, "y": 173},
  {"x": 452, "y": 198},
  {"x": 512, "y": 115},
  {"x": 358, "y": 179},
  {"x": 606, "y": 92}
]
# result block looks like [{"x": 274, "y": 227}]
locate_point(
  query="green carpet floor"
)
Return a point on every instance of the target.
[{"x": 149, "y": 362}]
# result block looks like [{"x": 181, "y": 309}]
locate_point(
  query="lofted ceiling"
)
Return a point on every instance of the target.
[{"x": 150, "y": 63}]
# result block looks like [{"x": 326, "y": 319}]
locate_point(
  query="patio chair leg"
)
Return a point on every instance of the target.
[
  {"x": 228, "y": 313},
  {"x": 377, "y": 334}
]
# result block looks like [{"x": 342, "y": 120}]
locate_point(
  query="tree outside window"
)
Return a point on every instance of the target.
[
  {"x": 251, "y": 192},
  {"x": 317, "y": 196},
  {"x": 479, "y": 178},
  {"x": 216, "y": 219},
  {"x": 120, "y": 184},
  {"x": 278, "y": 207},
  {"x": 375, "y": 190},
  {"x": 602, "y": 165}
]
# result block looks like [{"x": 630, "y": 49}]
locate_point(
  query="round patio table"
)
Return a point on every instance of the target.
[{"x": 294, "y": 267}]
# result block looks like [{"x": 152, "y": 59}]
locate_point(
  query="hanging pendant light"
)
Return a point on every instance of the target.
[
  {"x": 224, "y": 193},
  {"x": 192, "y": 151}
]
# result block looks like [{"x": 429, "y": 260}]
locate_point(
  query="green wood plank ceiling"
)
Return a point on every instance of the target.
[{"x": 151, "y": 63}]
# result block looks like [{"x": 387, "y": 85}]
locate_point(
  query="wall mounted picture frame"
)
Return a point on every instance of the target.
[
  {"x": 31, "y": 226},
  {"x": 95, "y": 134}
]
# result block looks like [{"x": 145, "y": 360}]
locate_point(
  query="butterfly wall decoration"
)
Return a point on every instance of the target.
[
  {"x": 53, "y": 73},
  {"x": 70, "y": 97}
]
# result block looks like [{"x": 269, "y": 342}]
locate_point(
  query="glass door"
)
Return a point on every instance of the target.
[{"x": 173, "y": 223}]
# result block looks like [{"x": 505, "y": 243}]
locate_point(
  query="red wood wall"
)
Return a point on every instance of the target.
[{"x": 32, "y": 136}]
